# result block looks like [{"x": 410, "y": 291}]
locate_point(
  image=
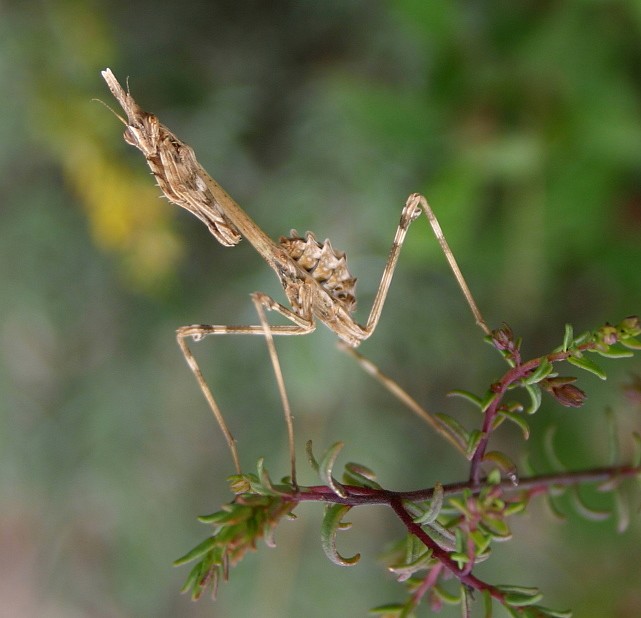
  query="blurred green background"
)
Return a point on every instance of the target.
[{"x": 521, "y": 122}]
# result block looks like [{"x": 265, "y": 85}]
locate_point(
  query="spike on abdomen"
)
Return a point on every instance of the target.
[{"x": 324, "y": 264}]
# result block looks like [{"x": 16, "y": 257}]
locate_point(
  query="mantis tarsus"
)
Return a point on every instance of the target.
[{"x": 314, "y": 276}]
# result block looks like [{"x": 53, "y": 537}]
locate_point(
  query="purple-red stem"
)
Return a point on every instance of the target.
[
  {"x": 535, "y": 485},
  {"x": 500, "y": 388}
]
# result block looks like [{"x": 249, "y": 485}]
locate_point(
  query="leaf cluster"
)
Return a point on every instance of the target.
[{"x": 449, "y": 528}]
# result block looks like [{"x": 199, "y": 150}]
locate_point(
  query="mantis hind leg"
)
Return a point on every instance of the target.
[{"x": 301, "y": 326}]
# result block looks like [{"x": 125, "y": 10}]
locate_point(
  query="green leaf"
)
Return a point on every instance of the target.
[
  {"x": 586, "y": 511},
  {"x": 213, "y": 518},
  {"x": 487, "y": 603},
  {"x": 434, "y": 508},
  {"x": 196, "y": 552},
  {"x": 514, "y": 508},
  {"x": 518, "y": 420},
  {"x": 632, "y": 343},
  {"x": 473, "y": 441},
  {"x": 535, "y": 398},
  {"x": 263, "y": 475},
  {"x": 471, "y": 397},
  {"x": 357, "y": 474},
  {"x": 551, "y": 613},
  {"x": 390, "y": 610},
  {"x": 488, "y": 399},
  {"x": 519, "y": 596},
  {"x": 466, "y": 602},
  {"x": 556, "y": 512},
  {"x": 441, "y": 536},
  {"x": 331, "y": 525},
  {"x": 404, "y": 571},
  {"x": 457, "y": 430},
  {"x": 482, "y": 541},
  {"x": 588, "y": 365},
  {"x": 461, "y": 558},
  {"x": 568, "y": 337},
  {"x": 459, "y": 503},
  {"x": 229, "y": 516},
  {"x": 504, "y": 463},
  {"x": 326, "y": 466},
  {"x": 614, "y": 351},
  {"x": 192, "y": 578},
  {"x": 310, "y": 456},
  {"x": 447, "y": 597},
  {"x": 544, "y": 369},
  {"x": 583, "y": 338},
  {"x": 498, "y": 528}
]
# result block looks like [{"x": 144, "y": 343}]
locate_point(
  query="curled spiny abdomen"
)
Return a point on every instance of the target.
[{"x": 323, "y": 263}]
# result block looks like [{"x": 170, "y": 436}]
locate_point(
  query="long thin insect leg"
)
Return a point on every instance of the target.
[
  {"x": 410, "y": 213},
  {"x": 402, "y": 395},
  {"x": 301, "y": 326},
  {"x": 220, "y": 419},
  {"x": 438, "y": 232},
  {"x": 261, "y": 301}
]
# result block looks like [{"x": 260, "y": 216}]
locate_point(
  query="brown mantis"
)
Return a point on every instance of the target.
[{"x": 314, "y": 276}]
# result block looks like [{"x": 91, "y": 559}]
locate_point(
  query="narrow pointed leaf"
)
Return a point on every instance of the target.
[
  {"x": 518, "y": 420},
  {"x": 405, "y": 571},
  {"x": 586, "y": 511},
  {"x": 588, "y": 365},
  {"x": 473, "y": 441},
  {"x": 225, "y": 518},
  {"x": 326, "y": 466},
  {"x": 568, "y": 337},
  {"x": 504, "y": 463},
  {"x": 446, "y": 596},
  {"x": 535, "y": 398},
  {"x": 544, "y": 369},
  {"x": 554, "y": 613},
  {"x": 196, "y": 552},
  {"x": 487, "y": 604},
  {"x": 498, "y": 528},
  {"x": 357, "y": 474},
  {"x": 267, "y": 486},
  {"x": 471, "y": 397},
  {"x": 487, "y": 400},
  {"x": 457, "y": 430},
  {"x": 520, "y": 595},
  {"x": 631, "y": 342},
  {"x": 614, "y": 351},
  {"x": 554, "y": 509},
  {"x": 310, "y": 456},
  {"x": 466, "y": 602},
  {"x": 192, "y": 578},
  {"x": 434, "y": 507},
  {"x": 332, "y": 523},
  {"x": 213, "y": 518},
  {"x": 441, "y": 536},
  {"x": 390, "y": 610}
]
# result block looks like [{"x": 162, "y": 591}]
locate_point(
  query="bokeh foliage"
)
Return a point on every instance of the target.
[{"x": 520, "y": 122}]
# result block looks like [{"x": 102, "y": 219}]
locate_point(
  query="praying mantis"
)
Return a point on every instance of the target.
[{"x": 314, "y": 276}]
